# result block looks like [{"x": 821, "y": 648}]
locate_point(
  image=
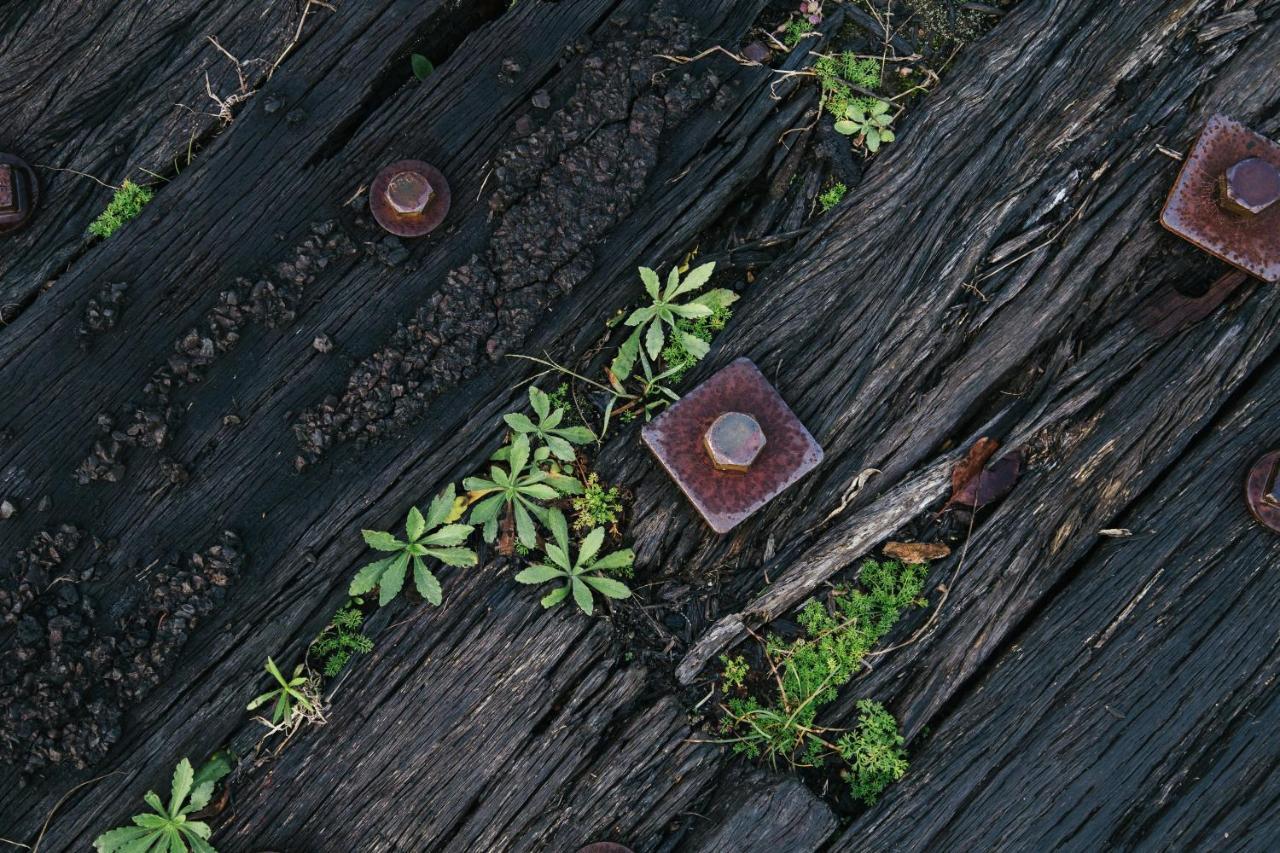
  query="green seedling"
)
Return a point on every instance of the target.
[
  {"x": 652, "y": 321},
  {"x": 341, "y": 639},
  {"x": 426, "y": 537},
  {"x": 168, "y": 829},
  {"x": 871, "y": 125},
  {"x": 832, "y": 196},
  {"x": 422, "y": 66},
  {"x": 547, "y": 429},
  {"x": 597, "y": 505},
  {"x": 583, "y": 574},
  {"x": 521, "y": 487},
  {"x": 291, "y": 695}
]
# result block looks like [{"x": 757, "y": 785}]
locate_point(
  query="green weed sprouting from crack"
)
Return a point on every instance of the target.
[
  {"x": 341, "y": 639},
  {"x": 808, "y": 673},
  {"x": 597, "y": 506},
  {"x": 127, "y": 203},
  {"x": 427, "y": 536},
  {"x": 583, "y": 574},
  {"x": 832, "y": 196},
  {"x": 523, "y": 487},
  {"x": 170, "y": 828}
]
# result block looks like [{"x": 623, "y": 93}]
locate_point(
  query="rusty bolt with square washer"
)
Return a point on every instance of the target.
[
  {"x": 18, "y": 193},
  {"x": 409, "y": 198},
  {"x": 1225, "y": 199},
  {"x": 732, "y": 445}
]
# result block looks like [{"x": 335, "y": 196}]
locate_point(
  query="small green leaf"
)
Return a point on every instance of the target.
[
  {"x": 846, "y": 127},
  {"x": 887, "y": 136},
  {"x": 367, "y": 578},
  {"x": 556, "y": 596},
  {"x": 519, "y": 454},
  {"x": 422, "y": 66},
  {"x": 540, "y": 401},
  {"x": 624, "y": 362},
  {"x": 426, "y": 583},
  {"x": 695, "y": 279},
  {"x": 559, "y": 527},
  {"x": 879, "y": 108},
  {"x": 576, "y": 434},
  {"x": 392, "y": 580},
  {"x": 695, "y": 346},
  {"x": 539, "y": 573},
  {"x": 873, "y": 140},
  {"x": 590, "y": 545},
  {"x": 608, "y": 587},
  {"x": 525, "y": 530},
  {"x": 455, "y": 556},
  {"x": 183, "y": 775},
  {"x": 560, "y": 448},
  {"x": 519, "y": 422},
  {"x": 382, "y": 541},
  {"x": 616, "y": 560},
  {"x": 582, "y": 595},
  {"x": 415, "y": 524},
  {"x": 654, "y": 339},
  {"x": 651, "y": 284}
]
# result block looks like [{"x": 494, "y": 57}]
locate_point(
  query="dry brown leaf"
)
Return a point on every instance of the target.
[{"x": 915, "y": 552}]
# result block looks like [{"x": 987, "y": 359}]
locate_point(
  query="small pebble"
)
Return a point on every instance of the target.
[
  {"x": 271, "y": 105},
  {"x": 8, "y": 509},
  {"x": 541, "y": 99},
  {"x": 322, "y": 343}
]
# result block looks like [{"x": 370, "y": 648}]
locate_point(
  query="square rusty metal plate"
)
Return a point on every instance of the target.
[
  {"x": 725, "y": 498},
  {"x": 8, "y": 201},
  {"x": 1251, "y": 243}
]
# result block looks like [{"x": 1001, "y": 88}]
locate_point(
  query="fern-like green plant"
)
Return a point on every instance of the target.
[
  {"x": 166, "y": 829},
  {"x": 427, "y": 536},
  {"x": 582, "y": 574},
  {"x": 547, "y": 429},
  {"x": 875, "y": 752},
  {"x": 290, "y": 695},
  {"x": 652, "y": 321},
  {"x": 521, "y": 486}
]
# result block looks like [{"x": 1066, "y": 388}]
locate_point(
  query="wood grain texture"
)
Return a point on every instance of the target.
[{"x": 994, "y": 274}]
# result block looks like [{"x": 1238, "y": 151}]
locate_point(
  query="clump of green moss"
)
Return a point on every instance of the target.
[
  {"x": 341, "y": 639},
  {"x": 809, "y": 672},
  {"x": 127, "y": 203},
  {"x": 832, "y": 196}
]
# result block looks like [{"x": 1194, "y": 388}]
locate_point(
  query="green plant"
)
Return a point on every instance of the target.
[
  {"x": 422, "y": 66},
  {"x": 809, "y": 671},
  {"x": 168, "y": 829},
  {"x": 560, "y": 439},
  {"x": 871, "y": 126},
  {"x": 845, "y": 81},
  {"x": 652, "y": 320},
  {"x": 582, "y": 574},
  {"x": 874, "y": 751},
  {"x": 597, "y": 505},
  {"x": 341, "y": 639},
  {"x": 292, "y": 694},
  {"x": 797, "y": 28},
  {"x": 425, "y": 538},
  {"x": 128, "y": 201},
  {"x": 735, "y": 670},
  {"x": 832, "y": 196},
  {"x": 520, "y": 487},
  {"x": 676, "y": 356}
]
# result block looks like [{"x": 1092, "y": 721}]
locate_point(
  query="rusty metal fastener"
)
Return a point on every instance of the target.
[
  {"x": 1224, "y": 199},
  {"x": 409, "y": 198},
  {"x": 732, "y": 445},
  {"x": 605, "y": 847},
  {"x": 1262, "y": 490},
  {"x": 19, "y": 192},
  {"x": 733, "y": 441},
  {"x": 1250, "y": 186}
]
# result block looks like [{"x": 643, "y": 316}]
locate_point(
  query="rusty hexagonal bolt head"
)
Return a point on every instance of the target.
[
  {"x": 409, "y": 198},
  {"x": 409, "y": 192},
  {"x": 1250, "y": 186},
  {"x": 733, "y": 441}
]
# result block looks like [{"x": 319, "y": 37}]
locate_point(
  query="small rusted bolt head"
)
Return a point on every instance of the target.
[
  {"x": 1262, "y": 490},
  {"x": 409, "y": 192},
  {"x": 733, "y": 441},
  {"x": 1250, "y": 186},
  {"x": 409, "y": 198},
  {"x": 18, "y": 193}
]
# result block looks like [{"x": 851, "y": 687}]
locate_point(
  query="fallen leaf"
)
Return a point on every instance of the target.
[
  {"x": 460, "y": 504},
  {"x": 915, "y": 552},
  {"x": 976, "y": 459},
  {"x": 974, "y": 485}
]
